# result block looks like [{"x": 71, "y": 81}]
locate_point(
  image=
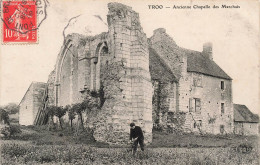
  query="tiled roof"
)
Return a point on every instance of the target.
[
  {"x": 196, "y": 62},
  {"x": 158, "y": 68},
  {"x": 38, "y": 88},
  {"x": 243, "y": 114},
  {"x": 38, "y": 91}
]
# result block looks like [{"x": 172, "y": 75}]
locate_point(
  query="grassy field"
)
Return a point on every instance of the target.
[{"x": 36, "y": 145}]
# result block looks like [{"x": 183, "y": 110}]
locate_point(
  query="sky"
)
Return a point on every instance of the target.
[{"x": 233, "y": 32}]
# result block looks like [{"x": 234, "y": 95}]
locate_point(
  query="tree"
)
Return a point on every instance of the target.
[
  {"x": 50, "y": 112},
  {"x": 91, "y": 101},
  {"x": 78, "y": 109},
  {"x": 11, "y": 108},
  {"x": 4, "y": 116},
  {"x": 71, "y": 114},
  {"x": 59, "y": 112}
]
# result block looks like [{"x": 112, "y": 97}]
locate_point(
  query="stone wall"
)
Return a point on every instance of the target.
[
  {"x": 26, "y": 108},
  {"x": 83, "y": 62},
  {"x": 169, "y": 51},
  {"x": 164, "y": 101},
  {"x": 51, "y": 88},
  {"x": 31, "y": 103},
  {"x": 241, "y": 128},
  {"x": 133, "y": 102},
  {"x": 39, "y": 91},
  {"x": 209, "y": 94},
  {"x": 211, "y": 97},
  {"x": 78, "y": 67}
]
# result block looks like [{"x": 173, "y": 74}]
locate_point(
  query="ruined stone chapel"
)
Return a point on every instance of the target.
[{"x": 150, "y": 81}]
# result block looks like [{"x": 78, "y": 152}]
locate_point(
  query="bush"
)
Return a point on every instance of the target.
[
  {"x": 14, "y": 150},
  {"x": 7, "y": 131},
  {"x": 4, "y": 131},
  {"x": 4, "y": 116},
  {"x": 14, "y": 130}
]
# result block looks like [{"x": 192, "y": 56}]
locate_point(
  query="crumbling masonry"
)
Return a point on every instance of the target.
[{"x": 152, "y": 82}]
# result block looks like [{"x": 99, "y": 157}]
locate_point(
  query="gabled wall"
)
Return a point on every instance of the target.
[
  {"x": 244, "y": 128},
  {"x": 26, "y": 108},
  {"x": 210, "y": 94},
  {"x": 31, "y": 103}
]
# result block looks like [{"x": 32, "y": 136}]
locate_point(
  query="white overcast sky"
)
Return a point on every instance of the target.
[{"x": 233, "y": 32}]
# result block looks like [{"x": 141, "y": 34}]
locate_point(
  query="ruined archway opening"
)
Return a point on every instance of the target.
[{"x": 100, "y": 61}]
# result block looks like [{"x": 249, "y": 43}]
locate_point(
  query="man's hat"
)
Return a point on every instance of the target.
[{"x": 132, "y": 124}]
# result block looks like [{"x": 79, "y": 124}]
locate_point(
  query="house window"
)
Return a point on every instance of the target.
[
  {"x": 222, "y": 108},
  {"x": 222, "y": 85},
  {"x": 197, "y": 80},
  {"x": 222, "y": 129},
  {"x": 190, "y": 105},
  {"x": 200, "y": 123},
  {"x": 195, "y": 105}
]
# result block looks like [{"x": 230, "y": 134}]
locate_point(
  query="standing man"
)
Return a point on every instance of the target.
[{"x": 136, "y": 136}]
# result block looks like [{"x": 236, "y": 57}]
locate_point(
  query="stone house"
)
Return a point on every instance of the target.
[
  {"x": 201, "y": 93},
  {"x": 245, "y": 122},
  {"x": 149, "y": 81},
  {"x": 31, "y": 102}
]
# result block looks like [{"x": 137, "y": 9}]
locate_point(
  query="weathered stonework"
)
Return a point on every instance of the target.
[
  {"x": 81, "y": 63},
  {"x": 207, "y": 89},
  {"x": 147, "y": 81},
  {"x": 31, "y": 103},
  {"x": 51, "y": 88}
]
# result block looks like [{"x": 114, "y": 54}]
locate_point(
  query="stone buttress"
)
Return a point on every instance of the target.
[{"x": 130, "y": 100}]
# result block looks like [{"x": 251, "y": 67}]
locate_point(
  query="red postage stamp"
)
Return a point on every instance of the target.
[{"x": 19, "y": 21}]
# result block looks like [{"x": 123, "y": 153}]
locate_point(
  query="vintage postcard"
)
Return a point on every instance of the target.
[{"x": 129, "y": 82}]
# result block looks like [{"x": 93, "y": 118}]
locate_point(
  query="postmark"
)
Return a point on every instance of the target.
[{"x": 21, "y": 20}]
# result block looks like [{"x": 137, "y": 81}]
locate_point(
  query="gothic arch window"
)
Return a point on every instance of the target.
[
  {"x": 99, "y": 61},
  {"x": 62, "y": 66}
]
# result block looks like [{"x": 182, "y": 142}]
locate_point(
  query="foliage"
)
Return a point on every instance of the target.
[
  {"x": 111, "y": 75},
  {"x": 50, "y": 110},
  {"x": 14, "y": 130},
  {"x": 4, "y": 131},
  {"x": 212, "y": 120},
  {"x": 80, "y": 154},
  {"x": 8, "y": 131},
  {"x": 59, "y": 112},
  {"x": 4, "y": 116},
  {"x": 70, "y": 111},
  {"x": 89, "y": 103},
  {"x": 11, "y": 108},
  {"x": 71, "y": 114},
  {"x": 78, "y": 108},
  {"x": 55, "y": 111},
  {"x": 36, "y": 145}
]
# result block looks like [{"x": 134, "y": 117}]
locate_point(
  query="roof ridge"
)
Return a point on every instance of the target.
[{"x": 196, "y": 62}]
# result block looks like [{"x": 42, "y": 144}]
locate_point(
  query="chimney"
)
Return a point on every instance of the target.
[{"x": 207, "y": 50}]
